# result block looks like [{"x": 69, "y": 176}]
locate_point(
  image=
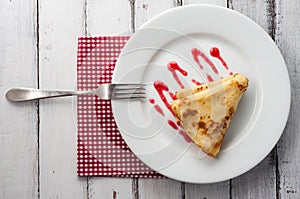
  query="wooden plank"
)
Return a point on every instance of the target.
[
  {"x": 288, "y": 40},
  {"x": 109, "y": 18},
  {"x": 60, "y": 24},
  {"x": 155, "y": 188},
  {"x": 288, "y": 148},
  {"x": 212, "y": 2},
  {"x": 216, "y": 190},
  {"x": 109, "y": 187},
  {"x": 259, "y": 11},
  {"x": 18, "y": 122},
  {"x": 146, "y": 9},
  {"x": 159, "y": 188},
  {"x": 287, "y": 32},
  {"x": 259, "y": 182}
]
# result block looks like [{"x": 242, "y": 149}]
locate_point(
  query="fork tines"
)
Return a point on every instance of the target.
[{"x": 128, "y": 91}]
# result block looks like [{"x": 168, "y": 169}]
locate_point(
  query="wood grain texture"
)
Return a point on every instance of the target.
[
  {"x": 287, "y": 32},
  {"x": 216, "y": 190},
  {"x": 258, "y": 10},
  {"x": 146, "y": 9},
  {"x": 260, "y": 182},
  {"x": 288, "y": 149},
  {"x": 18, "y": 122},
  {"x": 159, "y": 188},
  {"x": 212, "y": 2},
  {"x": 109, "y": 187},
  {"x": 60, "y": 24},
  {"x": 109, "y": 18}
]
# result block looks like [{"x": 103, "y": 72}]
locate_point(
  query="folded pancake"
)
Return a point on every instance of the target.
[
  {"x": 189, "y": 91},
  {"x": 206, "y": 111}
]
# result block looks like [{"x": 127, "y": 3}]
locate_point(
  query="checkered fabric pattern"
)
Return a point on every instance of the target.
[{"x": 101, "y": 151}]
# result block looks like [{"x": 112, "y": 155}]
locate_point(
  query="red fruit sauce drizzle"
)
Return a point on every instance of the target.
[
  {"x": 209, "y": 78},
  {"x": 185, "y": 136},
  {"x": 181, "y": 131},
  {"x": 157, "y": 107},
  {"x": 151, "y": 100},
  {"x": 196, "y": 53},
  {"x": 215, "y": 52},
  {"x": 160, "y": 88},
  {"x": 172, "y": 124},
  {"x": 173, "y": 67},
  {"x": 172, "y": 95},
  {"x": 196, "y": 82}
]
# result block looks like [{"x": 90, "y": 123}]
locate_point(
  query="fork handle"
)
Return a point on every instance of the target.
[{"x": 27, "y": 94}]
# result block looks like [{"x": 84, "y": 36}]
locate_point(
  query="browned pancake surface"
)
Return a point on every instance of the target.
[{"x": 206, "y": 111}]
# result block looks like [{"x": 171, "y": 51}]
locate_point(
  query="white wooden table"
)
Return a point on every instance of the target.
[{"x": 38, "y": 139}]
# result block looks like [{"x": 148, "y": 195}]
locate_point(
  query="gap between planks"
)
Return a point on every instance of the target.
[{"x": 38, "y": 86}]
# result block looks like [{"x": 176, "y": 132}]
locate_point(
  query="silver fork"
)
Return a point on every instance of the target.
[{"x": 104, "y": 91}]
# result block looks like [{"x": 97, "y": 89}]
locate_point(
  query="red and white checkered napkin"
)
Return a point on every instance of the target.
[{"x": 101, "y": 151}]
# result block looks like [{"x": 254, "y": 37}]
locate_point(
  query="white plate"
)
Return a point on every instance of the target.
[{"x": 247, "y": 48}]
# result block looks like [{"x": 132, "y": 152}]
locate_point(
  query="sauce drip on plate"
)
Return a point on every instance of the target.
[
  {"x": 196, "y": 53},
  {"x": 173, "y": 67},
  {"x": 196, "y": 82},
  {"x": 161, "y": 88},
  {"x": 215, "y": 52}
]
